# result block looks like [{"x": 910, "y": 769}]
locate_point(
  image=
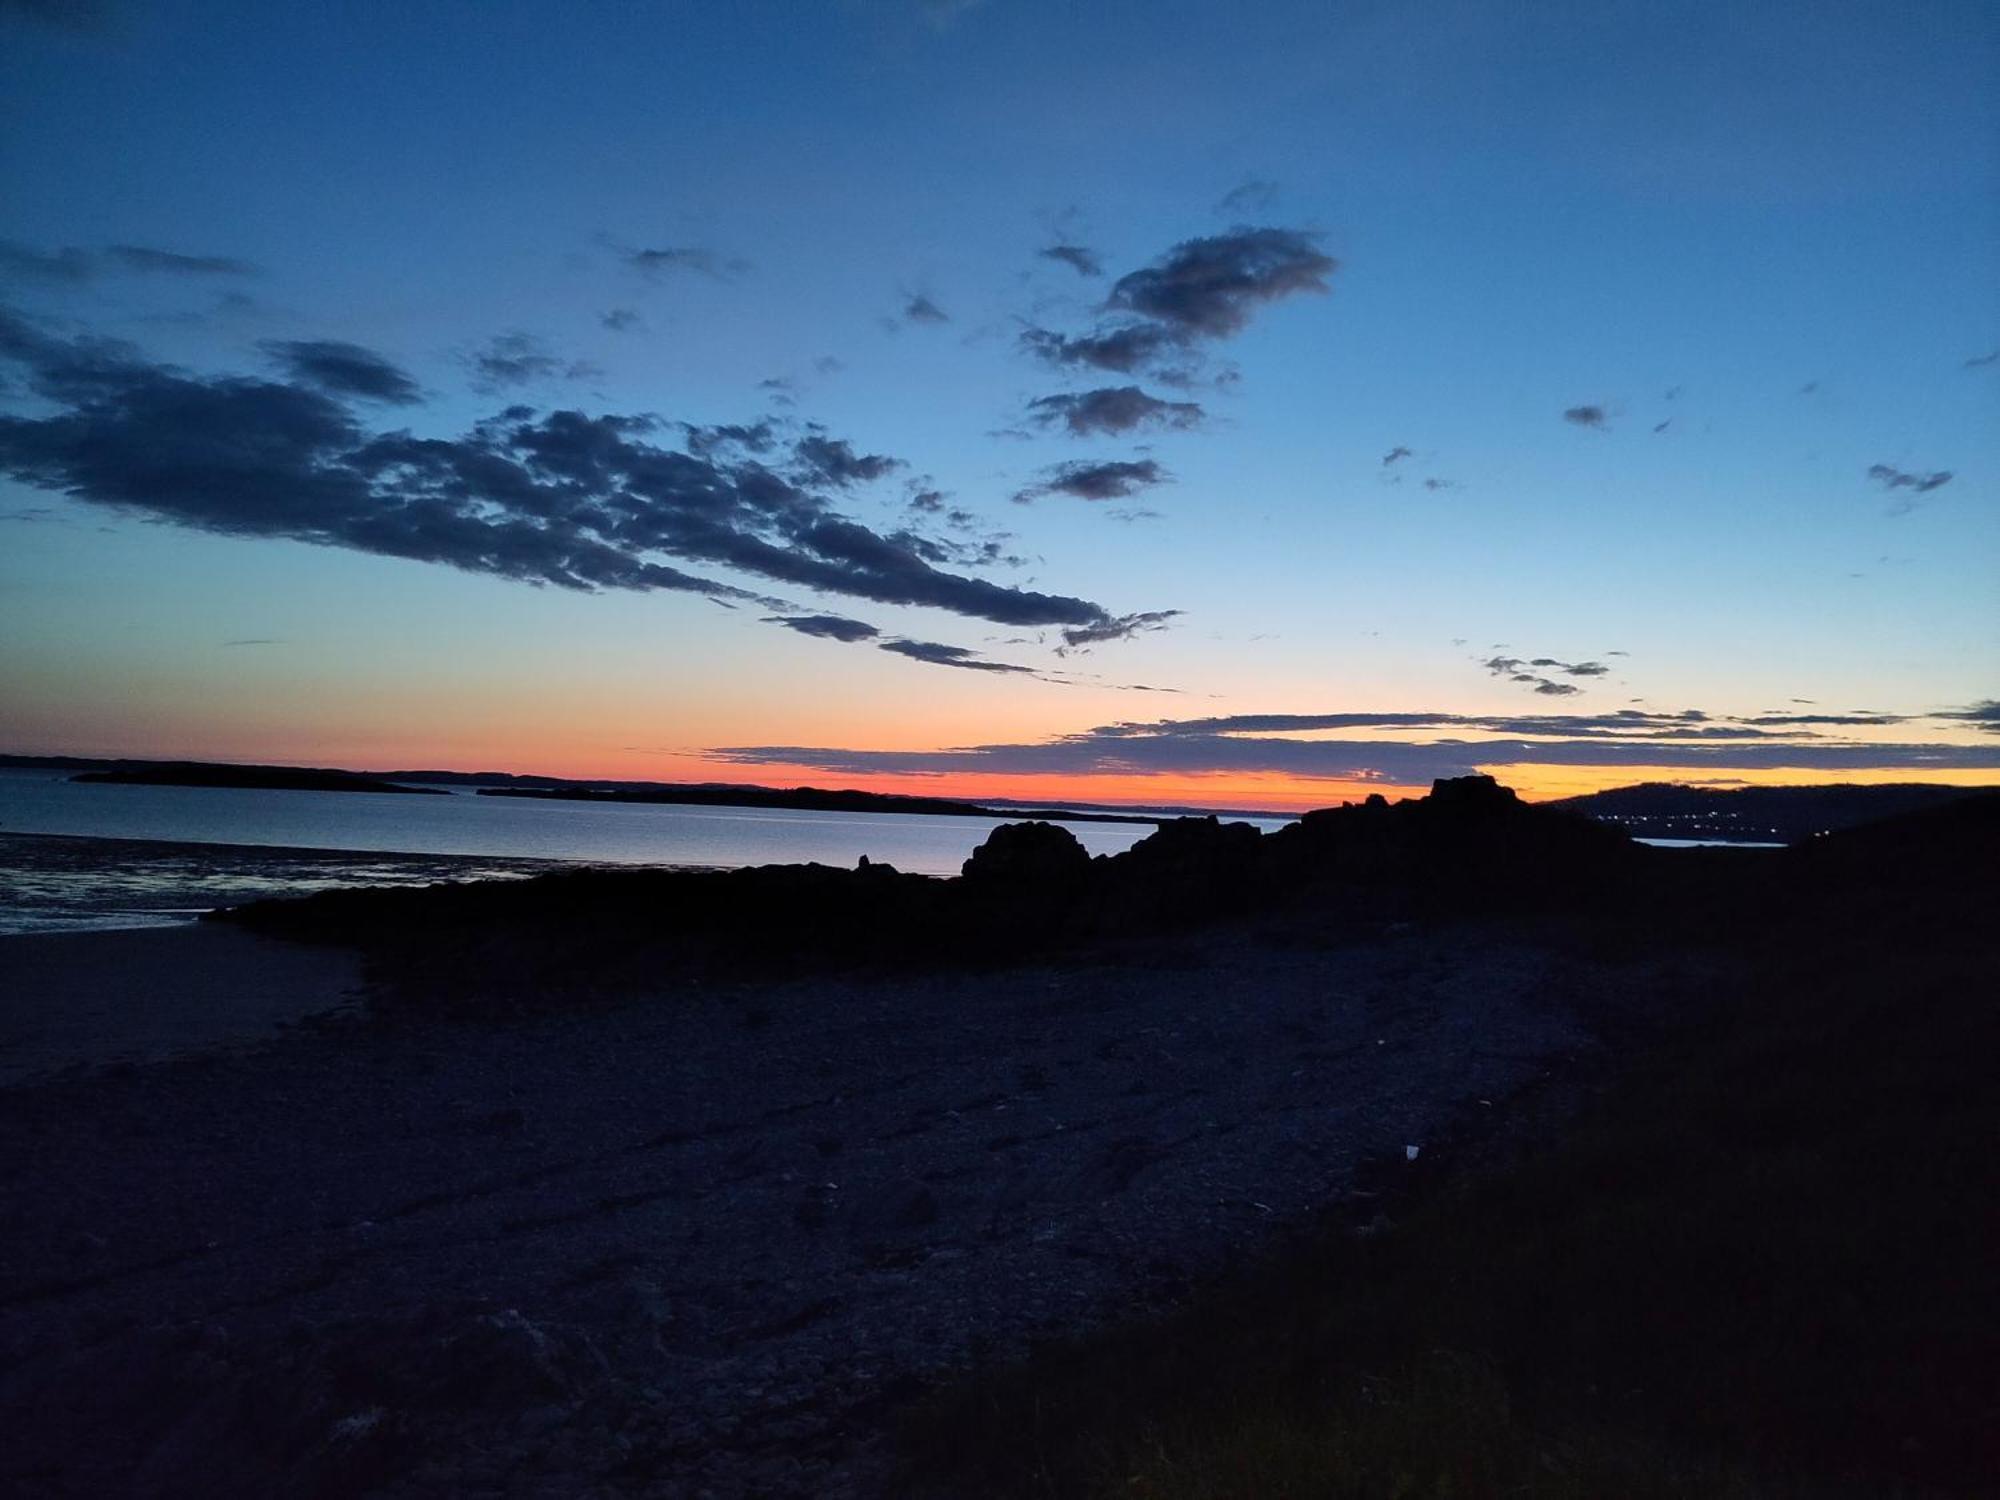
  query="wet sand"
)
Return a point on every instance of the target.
[{"x": 86, "y": 999}]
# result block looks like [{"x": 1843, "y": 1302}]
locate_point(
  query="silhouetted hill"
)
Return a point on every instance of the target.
[
  {"x": 261, "y": 778},
  {"x": 1762, "y": 814},
  {"x": 808, "y": 798}
]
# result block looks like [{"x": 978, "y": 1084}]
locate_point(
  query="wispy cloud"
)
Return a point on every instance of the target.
[
  {"x": 826, "y": 627},
  {"x": 516, "y": 359},
  {"x": 920, "y": 309},
  {"x": 939, "y": 655},
  {"x": 658, "y": 262},
  {"x": 1079, "y": 259},
  {"x": 1113, "y": 410},
  {"x": 20, "y": 262},
  {"x": 1113, "y": 480},
  {"x": 1298, "y": 745},
  {"x": 344, "y": 369},
  {"x": 1587, "y": 416}
]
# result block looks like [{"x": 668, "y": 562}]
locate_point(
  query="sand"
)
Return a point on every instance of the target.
[{"x": 86, "y": 999}]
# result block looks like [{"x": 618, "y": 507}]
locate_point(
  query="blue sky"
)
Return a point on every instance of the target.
[{"x": 1752, "y": 250}]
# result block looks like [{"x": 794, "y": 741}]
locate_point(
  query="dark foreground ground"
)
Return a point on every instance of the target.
[
  {"x": 1681, "y": 1195},
  {"x": 713, "y": 1243}
]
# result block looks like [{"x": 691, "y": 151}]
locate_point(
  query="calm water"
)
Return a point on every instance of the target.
[{"x": 45, "y": 884}]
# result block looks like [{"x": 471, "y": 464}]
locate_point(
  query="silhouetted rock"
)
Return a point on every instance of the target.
[
  {"x": 1190, "y": 869},
  {"x": 1027, "y": 855}
]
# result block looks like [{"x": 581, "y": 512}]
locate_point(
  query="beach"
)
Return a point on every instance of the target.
[{"x": 710, "y": 1241}]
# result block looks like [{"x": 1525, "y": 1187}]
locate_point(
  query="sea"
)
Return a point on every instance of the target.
[{"x": 80, "y": 856}]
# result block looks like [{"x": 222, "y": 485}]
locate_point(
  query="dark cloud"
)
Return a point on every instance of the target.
[
  {"x": 920, "y": 309},
  {"x": 1112, "y": 410},
  {"x": 561, "y": 497},
  {"x": 939, "y": 655},
  {"x": 1116, "y": 480},
  {"x": 1272, "y": 744},
  {"x": 1587, "y": 416},
  {"x": 1210, "y": 287},
  {"x": 834, "y": 461},
  {"x": 1084, "y": 262},
  {"x": 666, "y": 260},
  {"x": 513, "y": 359},
  {"x": 619, "y": 319},
  {"x": 24, "y": 263},
  {"x": 1663, "y": 426},
  {"x": 1895, "y": 479},
  {"x": 1980, "y": 361},
  {"x": 1122, "y": 628},
  {"x": 1983, "y": 716},
  {"x": 256, "y": 640},
  {"x": 1395, "y": 456},
  {"x": 1533, "y": 673},
  {"x": 827, "y": 627},
  {"x": 1440, "y": 484},
  {"x": 1125, "y": 349},
  {"x": 1253, "y": 195},
  {"x": 343, "y": 369},
  {"x": 145, "y": 258}
]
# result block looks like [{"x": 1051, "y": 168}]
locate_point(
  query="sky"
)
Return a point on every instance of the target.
[{"x": 1190, "y": 403}]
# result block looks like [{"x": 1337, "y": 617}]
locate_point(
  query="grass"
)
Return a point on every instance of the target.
[{"x": 1762, "y": 1267}]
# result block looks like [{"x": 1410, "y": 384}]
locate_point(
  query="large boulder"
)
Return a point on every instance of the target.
[{"x": 1026, "y": 856}]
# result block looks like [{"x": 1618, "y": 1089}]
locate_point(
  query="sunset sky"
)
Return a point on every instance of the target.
[{"x": 1241, "y": 405}]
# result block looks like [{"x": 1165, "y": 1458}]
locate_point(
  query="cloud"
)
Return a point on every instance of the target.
[
  {"x": 1125, "y": 349},
  {"x": 1210, "y": 287},
  {"x": 1895, "y": 479},
  {"x": 1533, "y": 673},
  {"x": 70, "y": 264},
  {"x": 1083, "y": 261},
  {"x": 834, "y": 461},
  {"x": 920, "y": 309},
  {"x": 667, "y": 260},
  {"x": 1980, "y": 361},
  {"x": 619, "y": 319},
  {"x": 343, "y": 369},
  {"x": 1587, "y": 416},
  {"x": 1122, "y": 628},
  {"x": 827, "y": 627},
  {"x": 1114, "y": 480},
  {"x": 560, "y": 497},
  {"x": 1395, "y": 456},
  {"x": 1253, "y": 195},
  {"x": 1276, "y": 745},
  {"x": 1113, "y": 409},
  {"x": 258, "y": 640},
  {"x": 940, "y": 655},
  {"x": 145, "y": 258},
  {"x": 512, "y": 359},
  {"x": 1984, "y": 716},
  {"x": 1440, "y": 484}
]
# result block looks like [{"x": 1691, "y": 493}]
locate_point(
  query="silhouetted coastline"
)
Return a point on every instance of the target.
[{"x": 252, "y": 778}]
